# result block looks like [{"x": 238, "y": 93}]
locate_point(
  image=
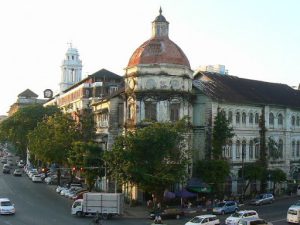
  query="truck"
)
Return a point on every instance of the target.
[{"x": 105, "y": 205}]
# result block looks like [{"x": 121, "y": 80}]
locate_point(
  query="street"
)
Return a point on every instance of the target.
[{"x": 39, "y": 204}]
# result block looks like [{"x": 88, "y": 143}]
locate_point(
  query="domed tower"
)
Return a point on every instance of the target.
[
  {"x": 158, "y": 79},
  {"x": 71, "y": 69}
]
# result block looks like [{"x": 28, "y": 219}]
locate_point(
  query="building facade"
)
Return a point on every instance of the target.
[
  {"x": 71, "y": 69},
  {"x": 24, "y": 99},
  {"x": 245, "y": 102}
]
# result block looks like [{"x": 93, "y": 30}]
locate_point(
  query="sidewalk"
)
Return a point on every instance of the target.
[{"x": 138, "y": 212}]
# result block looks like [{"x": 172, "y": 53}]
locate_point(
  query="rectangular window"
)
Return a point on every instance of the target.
[
  {"x": 174, "y": 112},
  {"x": 150, "y": 111}
]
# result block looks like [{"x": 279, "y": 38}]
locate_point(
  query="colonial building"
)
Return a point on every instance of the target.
[
  {"x": 244, "y": 101},
  {"x": 71, "y": 69},
  {"x": 77, "y": 94},
  {"x": 25, "y": 98},
  {"x": 158, "y": 80}
]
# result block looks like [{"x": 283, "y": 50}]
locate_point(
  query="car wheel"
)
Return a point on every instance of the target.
[
  {"x": 177, "y": 217},
  {"x": 79, "y": 213}
]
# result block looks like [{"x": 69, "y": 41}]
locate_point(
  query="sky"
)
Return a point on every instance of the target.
[{"x": 254, "y": 39}]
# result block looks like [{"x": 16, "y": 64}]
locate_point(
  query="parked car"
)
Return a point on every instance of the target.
[
  {"x": 237, "y": 216},
  {"x": 6, "y": 207},
  {"x": 253, "y": 221},
  {"x": 170, "y": 213},
  {"x": 263, "y": 199},
  {"x": 36, "y": 178},
  {"x": 79, "y": 194},
  {"x": 21, "y": 164},
  {"x": 4, "y": 160},
  {"x": 17, "y": 172},
  {"x": 6, "y": 169},
  {"x": 204, "y": 220},
  {"x": 225, "y": 207}
]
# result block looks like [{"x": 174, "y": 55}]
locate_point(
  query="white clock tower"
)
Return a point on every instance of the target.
[{"x": 71, "y": 69}]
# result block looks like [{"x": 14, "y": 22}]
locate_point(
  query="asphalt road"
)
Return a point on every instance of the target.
[{"x": 38, "y": 204}]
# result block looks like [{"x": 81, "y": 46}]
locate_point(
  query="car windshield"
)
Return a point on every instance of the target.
[
  {"x": 221, "y": 204},
  {"x": 6, "y": 203},
  {"x": 259, "y": 196},
  {"x": 237, "y": 214},
  {"x": 196, "y": 220}
]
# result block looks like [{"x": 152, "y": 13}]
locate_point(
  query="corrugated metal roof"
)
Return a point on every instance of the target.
[{"x": 233, "y": 89}]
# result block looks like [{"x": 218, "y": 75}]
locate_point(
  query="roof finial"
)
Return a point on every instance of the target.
[{"x": 160, "y": 11}]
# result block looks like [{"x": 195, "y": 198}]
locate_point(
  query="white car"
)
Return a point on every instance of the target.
[
  {"x": 236, "y": 217},
  {"x": 204, "y": 220},
  {"x": 6, "y": 207},
  {"x": 36, "y": 178},
  {"x": 251, "y": 221}
]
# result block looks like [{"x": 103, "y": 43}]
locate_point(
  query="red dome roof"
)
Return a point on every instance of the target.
[{"x": 158, "y": 50}]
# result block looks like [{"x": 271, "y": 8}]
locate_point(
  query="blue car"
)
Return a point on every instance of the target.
[{"x": 225, "y": 207}]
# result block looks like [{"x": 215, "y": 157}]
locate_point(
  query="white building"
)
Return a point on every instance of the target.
[
  {"x": 71, "y": 69},
  {"x": 244, "y": 101},
  {"x": 218, "y": 68}
]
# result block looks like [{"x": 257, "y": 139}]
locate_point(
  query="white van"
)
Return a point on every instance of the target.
[{"x": 293, "y": 214}]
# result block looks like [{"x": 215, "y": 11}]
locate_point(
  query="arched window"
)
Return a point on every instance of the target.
[
  {"x": 256, "y": 118},
  {"x": 298, "y": 149},
  {"x": 230, "y": 117},
  {"x": 280, "y": 148},
  {"x": 257, "y": 150},
  {"x": 280, "y": 119},
  {"x": 244, "y": 118},
  {"x": 271, "y": 119},
  {"x": 293, "y": 148},
  {"x": 237, "y": 117},
  {"x": 251, "y": 149},
  {"x": 293, "y": 121},
  {"x": 298, "y": 121},
  {"x": 244, "y": 150},
  {"x": 237, "y": 149},
  {"x": 251, "y": 118}
]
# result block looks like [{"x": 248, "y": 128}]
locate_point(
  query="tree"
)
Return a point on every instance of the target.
[
  {"x": 153, "y": 157},
  {"x": 16, "y": 128},
  {"x": 87, "y": 157},
  {"x": 213, "y": 172},
  {"x": 52, "y": 139},
  {"x": 252, "y": 173},
  {"x": 222, "y": 132},
  {"x": 276, "y": 176},
  {"x": 273, "y": 149},
  {"x": 86, "y": 125}
]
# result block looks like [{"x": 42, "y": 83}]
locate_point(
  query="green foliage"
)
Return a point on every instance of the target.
[
  {"x": 277, "y": 176},
  {"x": 212, "y": 172},
  {"x": 52, "y": 139},
  {"x": 87, "y": 157},
  {"x": 16, "y": 128},
  {"x": 153, "y": 157},
  {"x": 87, "y": 125},
  {"x": 274, "y": 152},
  {"x": 251, "y": 172},
  {"x": 222, "y": 132}
]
